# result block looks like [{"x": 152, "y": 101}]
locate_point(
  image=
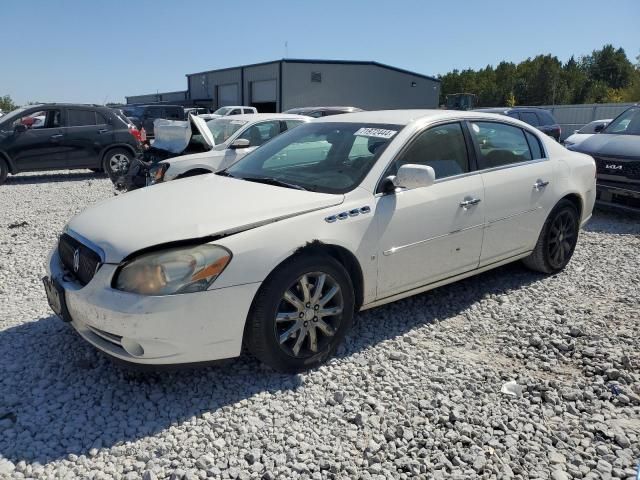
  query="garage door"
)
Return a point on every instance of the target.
[
  {"x": 228, "y": 94},
  {"x": 263, "y": 91}
]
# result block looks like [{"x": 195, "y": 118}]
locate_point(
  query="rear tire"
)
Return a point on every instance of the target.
[
  {"x": 4, "y": 171},
  {"x": 116, "y": 162},
  {"x": 557, "y": 240},
  {"x": 289, "y": 337}
]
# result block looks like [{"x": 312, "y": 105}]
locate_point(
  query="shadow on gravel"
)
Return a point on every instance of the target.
[
  {"x": 52, "y": 177},
  {"x": 59, "y": 396}
]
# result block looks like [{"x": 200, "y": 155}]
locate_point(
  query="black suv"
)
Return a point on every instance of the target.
[
  {"x": 58, "y": 136},
  {"x": 536, "y": 117},
  {"x": 143, "y": 116}
]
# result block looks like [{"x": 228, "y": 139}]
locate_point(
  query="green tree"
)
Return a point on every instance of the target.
[
  {"x": 610, "y": 66},
  {"x": 6, "y": 104}
]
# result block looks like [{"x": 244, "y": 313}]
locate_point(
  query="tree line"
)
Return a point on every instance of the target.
[{"x": 604, "y": 76}]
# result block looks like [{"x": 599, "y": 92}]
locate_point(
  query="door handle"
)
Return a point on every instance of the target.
[
  {"x": 56, "y": 136},
  {"x": 540, "y": 184},
  {"x": 104, "y": 130},
  {"x": 466, "y": 203}
]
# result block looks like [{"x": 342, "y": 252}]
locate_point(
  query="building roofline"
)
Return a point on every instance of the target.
[
  {"x": 156, "y": 93},
  {"x": 320, "y": 61}
]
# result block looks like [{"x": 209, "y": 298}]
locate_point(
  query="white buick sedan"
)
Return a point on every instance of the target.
[{"x": 338, "y": 215}]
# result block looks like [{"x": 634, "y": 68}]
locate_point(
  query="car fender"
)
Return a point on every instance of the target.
[
  {"x": 7, "y": 158},
  {"x": 575, "y": 175},
  {"x": 257, "y": 252}
]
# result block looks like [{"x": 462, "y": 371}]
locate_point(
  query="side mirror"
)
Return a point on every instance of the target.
[
  {"x": 240, "y": 143},
  {"x": 19, "y": 128},
  {"x": 412, "y": 176},
  {"x": 599, "y": 128}
]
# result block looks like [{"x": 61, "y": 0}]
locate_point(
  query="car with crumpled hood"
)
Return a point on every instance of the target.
[
  {"x": 173, "y": 138},
  {"x": 233, "y": 137}
]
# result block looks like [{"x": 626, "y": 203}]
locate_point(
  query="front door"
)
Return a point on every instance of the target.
[
  {"x": 431, "y": 233},
  {"x": 37, "y": 143},
  {"x": 518, "y": 183}
]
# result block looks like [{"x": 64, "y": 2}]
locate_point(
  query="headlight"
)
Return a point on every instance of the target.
[
  {"x": 156, "y": 174},
  {"x": 173, "y": 271}
]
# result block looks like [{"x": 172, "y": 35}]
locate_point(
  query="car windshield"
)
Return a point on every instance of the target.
[
  {"x": 322, "y": 157},
  {"x": 627, "y": 123},
  {"x": 591, "y": 127},
  {"x": 223, "y": 128},
  {"x": 222, "y": 111}
]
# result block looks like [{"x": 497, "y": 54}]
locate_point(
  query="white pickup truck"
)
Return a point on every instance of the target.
[{"x": 231, "y": 110}]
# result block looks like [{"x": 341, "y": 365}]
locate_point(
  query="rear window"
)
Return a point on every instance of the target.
[
  {"x": 530, "y": 118},
  {"x": 546, "y": 118},
  {"x": 80, "y": 118}
]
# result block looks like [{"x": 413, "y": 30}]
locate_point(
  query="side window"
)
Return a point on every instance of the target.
[
  {"x": 39, "y": 120},
  {"x": 248, "y": 110},
  {"x": 175, "y": 114},
  {"x": 441, "y": 147},
  {"x": 531, "y": 118},
  {"x": 260, "y": 133},
  {"x": 80, "y": 118},
  {"x": 499, "y": 144},
  {"x": 546, "y": 118},
  {"x": 155, "y": 112},
  {"x": 236, "y": 111},
  {"x": 101, "y": 119},
  {"x": 534, "y": 146},
  {"x": 514, "y": 115}
]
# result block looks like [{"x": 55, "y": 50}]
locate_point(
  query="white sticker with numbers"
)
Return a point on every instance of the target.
[{"x": 376, "y": 133}]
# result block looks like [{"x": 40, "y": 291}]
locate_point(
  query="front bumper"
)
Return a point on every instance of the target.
[
  {"x": 619, "y": 195},
  {"x": 162, "y": 330}
]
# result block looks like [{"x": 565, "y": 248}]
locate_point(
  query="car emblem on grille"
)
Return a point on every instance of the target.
[
  {"x": 613, "y": 166},
  {"x": 76, "y": 260}
]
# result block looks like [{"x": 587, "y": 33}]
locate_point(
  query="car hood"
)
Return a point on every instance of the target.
[
  {"x": 603, "y": 144},
  {"x": 174, "y": 135},
  {"x": 191, "y": 208}
]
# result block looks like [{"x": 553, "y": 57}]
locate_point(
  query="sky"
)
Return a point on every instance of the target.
[{"x": 98, "y": 52}]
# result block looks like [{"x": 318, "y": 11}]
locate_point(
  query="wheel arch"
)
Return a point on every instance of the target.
[
  {"x": 343, "y": 256},
  {"x": 7, "y": 159},
  {"x": 577, "y": 201},
  {"x": 106, "y": 150}
]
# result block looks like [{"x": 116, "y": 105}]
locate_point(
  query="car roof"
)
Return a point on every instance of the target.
[
  {"x": 236, "y": 106},
  {"x": 405, "y": 117},
  {"x": 509, "y": 109},
  {"x": 254, "y": 117}
]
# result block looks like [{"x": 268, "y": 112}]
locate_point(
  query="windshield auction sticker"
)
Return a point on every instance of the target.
[{"x": 376, "y": 133}]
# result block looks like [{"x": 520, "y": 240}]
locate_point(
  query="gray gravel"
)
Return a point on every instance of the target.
[{"x": 414, "y": 393}]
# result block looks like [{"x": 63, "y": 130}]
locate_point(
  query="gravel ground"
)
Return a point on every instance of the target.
[{"x": 414, "y": 393}]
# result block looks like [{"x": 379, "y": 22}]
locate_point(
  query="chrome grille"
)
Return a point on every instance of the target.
[{"x": 85, "y": 266}]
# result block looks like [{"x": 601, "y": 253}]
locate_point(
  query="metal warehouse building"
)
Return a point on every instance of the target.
[
  {"x": 180, "y": 97},
  {"x": 288, "y": 83}
]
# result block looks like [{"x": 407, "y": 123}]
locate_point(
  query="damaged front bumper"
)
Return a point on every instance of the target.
[{"x": 155, "y": 330}]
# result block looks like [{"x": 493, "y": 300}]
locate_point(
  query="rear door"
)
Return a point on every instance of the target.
[
  {"x": 518, "y": 188},
  {"x": 86, "y": 133},
  {"x": 39, "y": 147}
]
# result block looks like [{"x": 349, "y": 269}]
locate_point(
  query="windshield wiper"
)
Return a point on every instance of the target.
[
  {"x": 273, "y": 181},
  {"x": 224, "y": 173}
]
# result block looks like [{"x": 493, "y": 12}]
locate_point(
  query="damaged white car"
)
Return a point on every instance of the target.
[
  {"x": 233, "y": 138},
  {"x": 279, "y": 251}
]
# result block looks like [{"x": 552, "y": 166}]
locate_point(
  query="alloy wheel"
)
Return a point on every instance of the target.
[
  {"x": 309, "y": 314},
  {"x": 119, "y": 163},
  {"x": 562, "y": 239}
]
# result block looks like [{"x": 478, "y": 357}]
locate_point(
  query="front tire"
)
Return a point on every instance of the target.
[
  {"x": 557, "y": 240},
  {"x": 301, "y": 313},
  {"x": 116, "y": 162}
]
